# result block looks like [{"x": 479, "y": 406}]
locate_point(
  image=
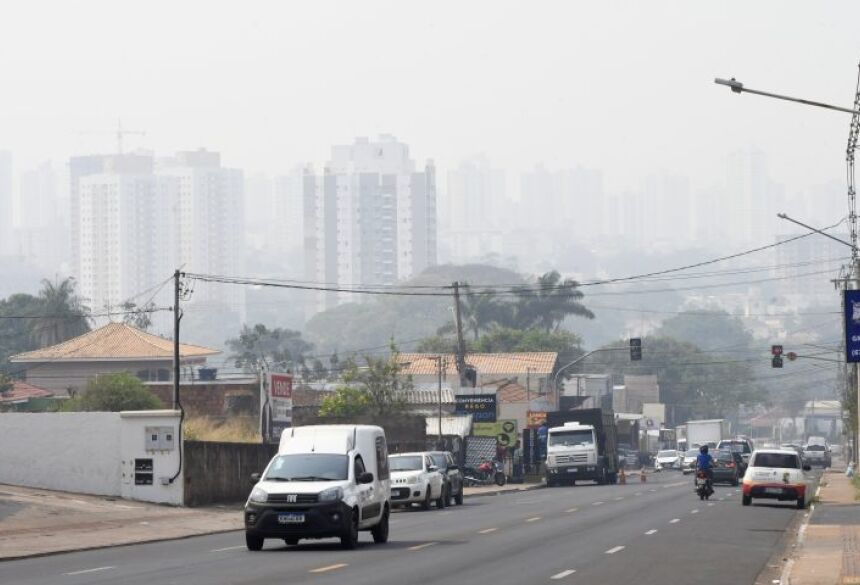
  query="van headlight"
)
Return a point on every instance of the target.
[
  {"x": 331, "y": 495},
  {"x": 259, "y": 496},
  {"x": 550, "y": 459}
]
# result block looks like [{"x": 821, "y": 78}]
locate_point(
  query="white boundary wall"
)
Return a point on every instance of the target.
[{"x": 88, "y": 452}]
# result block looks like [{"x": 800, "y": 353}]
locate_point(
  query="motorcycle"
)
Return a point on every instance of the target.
[
  {"x": 704, "y": 489},
  {"x": 487, "y": 473}
]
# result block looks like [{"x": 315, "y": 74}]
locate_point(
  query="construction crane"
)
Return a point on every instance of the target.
[
  {"x": 120, "y": 132},
  {"x": 853, "y": 135}
]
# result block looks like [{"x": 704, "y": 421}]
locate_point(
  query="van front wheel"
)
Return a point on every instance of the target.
[
  {"x": 254, "y": 542},
  {"x": 349, "y": 540},
  {"x": 380, "y": 531}
]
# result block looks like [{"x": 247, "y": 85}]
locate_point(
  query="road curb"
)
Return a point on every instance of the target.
[
  {"x": 527, "y": 488},
  {"x": 116, "y": 545}
]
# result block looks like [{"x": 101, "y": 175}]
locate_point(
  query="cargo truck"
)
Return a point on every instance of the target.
[
  {"x": 582, "y": 444},
  {"x": 707, "y": 432}
]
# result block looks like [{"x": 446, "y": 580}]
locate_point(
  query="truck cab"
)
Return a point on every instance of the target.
[{"x": 572, "y": 454}]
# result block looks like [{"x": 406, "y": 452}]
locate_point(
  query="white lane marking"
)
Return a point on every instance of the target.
[
  {"x": 597, "y": 503},
  {"x": 85, "y": 571},
  {"x": 571, "y": 510},
  {"x": 696, "y": 511},
  {"x": 710, "y": 504},
  {"x": 421, "y": 546},
  {"x": 563, "y": 574},
  {"x": 328, "y": 568},
  {"x": 619, "y": 498},
  {"x": 650, "y": 532},
  {"x": 652, "y": 491},
  {"x": 674, "y": 520},
  {"x": 227, "y": 548},
  {"x": 487, "y": 530},
  {"x": 534, "y": 519},
  {"x": 614, "y": 550},
  {"x": 638, "y": 494}
]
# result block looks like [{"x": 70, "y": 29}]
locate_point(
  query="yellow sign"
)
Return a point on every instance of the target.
[{"x": 535, "y": 419}]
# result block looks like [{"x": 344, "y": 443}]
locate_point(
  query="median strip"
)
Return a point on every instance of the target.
[
  {"x": 563, "y": 574},
  {"x": 422, "y": 546},
  {"x": 329, "y": 568},
  {"x": 85, "y": 571},
  {"x": 612, "y": 551}
]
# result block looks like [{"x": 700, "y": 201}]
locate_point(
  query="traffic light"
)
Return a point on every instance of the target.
[
  {"x": 776, "y": 350},
  {"x": 635, "y": 349},
  {"x": 776, "y": 362}
]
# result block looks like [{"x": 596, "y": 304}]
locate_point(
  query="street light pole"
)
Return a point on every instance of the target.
[{"x": 579, "y": 359}]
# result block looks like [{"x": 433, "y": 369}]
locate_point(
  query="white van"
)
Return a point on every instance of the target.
[{"x": 326, "y": 481}]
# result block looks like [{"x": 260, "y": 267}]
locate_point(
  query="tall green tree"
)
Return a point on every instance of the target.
[
  {"x": 548, "y": 302},
  {"x": 63, "y": 313},
  {"x": 277, "y": 347},
  {"x": 17, "y": 313}
]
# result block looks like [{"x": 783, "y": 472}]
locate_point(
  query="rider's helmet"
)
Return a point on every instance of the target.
[{"x": 703, "y": 449}]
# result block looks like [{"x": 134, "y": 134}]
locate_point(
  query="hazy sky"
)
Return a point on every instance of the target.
[{"x": 623, "y": 86}]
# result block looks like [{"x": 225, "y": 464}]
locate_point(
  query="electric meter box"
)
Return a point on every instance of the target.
[{"x": 160, "y": 438}]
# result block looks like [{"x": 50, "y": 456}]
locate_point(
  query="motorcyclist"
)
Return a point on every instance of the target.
[{"x": 704, "y": 463}]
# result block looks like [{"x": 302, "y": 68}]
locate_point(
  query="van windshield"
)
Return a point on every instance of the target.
[
  {"x": 571, "y": 438},
  {"x": 406, "y": 463},
  {"x": 309, "y": 467}
]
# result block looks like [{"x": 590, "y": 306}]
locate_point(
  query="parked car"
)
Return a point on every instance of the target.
[
  {"x": 777, "y": 474},
  {"x": 688, "y": 462},
  {"x": 415, "y": 479},
  {"x": 667, "y": 459},
  {"x": 325, "y": 481},
  {"x": 725, "y": 467},
  {"x": 451, "y": 474}
]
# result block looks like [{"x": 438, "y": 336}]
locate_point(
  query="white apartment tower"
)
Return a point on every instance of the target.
[{"x": 369, "y": 218}]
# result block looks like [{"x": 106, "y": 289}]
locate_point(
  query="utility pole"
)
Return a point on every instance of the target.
[
  {"x": 176, "y": 317},
  {"x": 461, "y": 344},
  {"x": 439, "y": 366}
]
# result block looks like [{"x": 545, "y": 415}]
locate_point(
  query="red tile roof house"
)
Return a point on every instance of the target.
[
  {"x": 66, "y": 368},
  {"x": 21, "y": 394}
]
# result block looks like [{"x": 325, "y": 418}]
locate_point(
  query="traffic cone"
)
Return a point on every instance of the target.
[
  {"x": 642, "y": 477},
  {"x": 623, "y": 477}
]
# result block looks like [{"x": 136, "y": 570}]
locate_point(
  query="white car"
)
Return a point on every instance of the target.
[
  {"x": 688, "y": 462},
  {"x": 777, "y": 474},
  {"x": 416, "y": 480},
  {"x": 667, "y": 459}
]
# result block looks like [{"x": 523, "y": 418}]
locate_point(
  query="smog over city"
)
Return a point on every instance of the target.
[{"x": 625, "y": 224}]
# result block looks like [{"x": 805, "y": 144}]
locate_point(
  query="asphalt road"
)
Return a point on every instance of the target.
[{"x": 653, "y": 533}]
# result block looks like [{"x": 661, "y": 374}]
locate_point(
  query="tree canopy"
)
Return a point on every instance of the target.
[
  {"x": 376, "y": 388},
  {"x": 259, "y": 345},
  {"x": 113, "y": 393}
]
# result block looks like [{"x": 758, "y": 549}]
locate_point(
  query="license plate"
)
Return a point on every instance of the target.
[
  {"x": 291, "y": 518},
  {"x": 571, "y": 469},
  {"x": 773, "y": 490}
]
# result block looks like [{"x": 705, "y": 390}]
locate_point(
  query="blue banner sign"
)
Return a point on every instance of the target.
[{"x": 852, "y": 326}]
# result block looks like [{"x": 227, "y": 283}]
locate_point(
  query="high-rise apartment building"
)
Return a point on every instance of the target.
[
  {"x": 41, "y": 233},
  {"x": 370, "y": 216},
  {"x": 6, "y": 207}
]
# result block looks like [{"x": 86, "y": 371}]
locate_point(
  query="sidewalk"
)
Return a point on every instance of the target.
[
  {"x": 38, "y": 522},
  {"x": 827, "y": 552}
]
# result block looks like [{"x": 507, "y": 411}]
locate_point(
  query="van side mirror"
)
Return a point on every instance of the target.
[
  {"x": 255, "y": 477},
  {"x": 432, "y": 468},
  {"x": 365, "y": 477}
]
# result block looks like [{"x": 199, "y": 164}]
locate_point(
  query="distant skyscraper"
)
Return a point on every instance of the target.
[
  {"x": 6, "y": 206},
  {"x": 41, "y": 235},
  {"x": 370, "y": 217},
  {"x": 476, "y": 191}
]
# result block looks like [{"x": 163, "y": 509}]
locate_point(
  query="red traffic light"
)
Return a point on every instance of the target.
[{"x": 776, "y": 349}]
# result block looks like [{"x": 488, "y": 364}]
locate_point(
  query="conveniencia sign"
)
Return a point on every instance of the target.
[{"x": 482, "y": 407}]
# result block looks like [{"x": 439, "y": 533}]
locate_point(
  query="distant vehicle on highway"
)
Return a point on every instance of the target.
[
  {"x": 817, "y": 452},
  {"x": 793, "y": 447},
  {"x": 667, "y": 459},
  {"x": 725, "y": 468},
  {"x": 688, "y": 462},
  {"x": 415, "y": 479},
  {"x": 777, "y": 474},
  {"x": 742, "y": 446}
]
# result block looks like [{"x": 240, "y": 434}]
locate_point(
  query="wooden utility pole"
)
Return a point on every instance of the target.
[
  {"x": 461, "y": 344},
  {"x": 176, "y": 317}
]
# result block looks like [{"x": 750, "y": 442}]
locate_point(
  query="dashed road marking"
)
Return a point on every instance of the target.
[
  {"x": 674, "y": 520},
  {"x": 563, "y": 574},
  {"x": 487, "y": 530},
  {"x": 422, "y": 546},
  {"x": 710, "y": 504},
  {"x": 614, "y": 550},
  {"x": 227, "y": 548},
  {"x": 85, "y": 571},
  {"x": 328, "y": 568},
  {"x": 596, "y": 503},
  {"x": 696, "y": 511},
  {"x": 650, "y": 532},
  {"x": 652, "y": 491},
  {"x": 571, "y": 510},
  {"x": 638, "y": 494},
  {"x": 619, "y": 498},
  {"x": 533, "y": 519}
]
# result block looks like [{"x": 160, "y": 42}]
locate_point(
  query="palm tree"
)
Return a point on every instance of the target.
[
  {"x": 64, "y": 314},
  {"x": 480, "y": 311},
  {"x": 548, "y": 302}
]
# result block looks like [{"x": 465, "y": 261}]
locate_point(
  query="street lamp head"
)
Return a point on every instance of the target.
[{"x": 733, "y": 83}]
